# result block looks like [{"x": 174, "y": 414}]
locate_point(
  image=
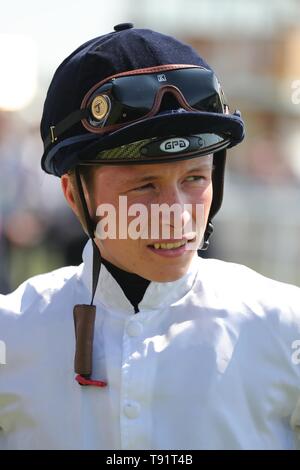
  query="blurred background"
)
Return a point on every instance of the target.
[{"x": 254, "y": 47}]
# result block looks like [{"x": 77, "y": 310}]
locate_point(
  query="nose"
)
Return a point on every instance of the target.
[
  {"x": 173, "y": 207},
  {"x": 171, "y": 194}
]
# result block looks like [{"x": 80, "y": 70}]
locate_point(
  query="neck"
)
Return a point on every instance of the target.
[{"x": 133, "y": 285}]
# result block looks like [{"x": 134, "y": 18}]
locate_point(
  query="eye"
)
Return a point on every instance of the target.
[
  {"x": 194, "y": 178},
  {"x": 144, "y": 187}
]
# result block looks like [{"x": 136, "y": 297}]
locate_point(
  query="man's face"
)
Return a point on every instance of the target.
[{"x": 185, "y": 182}]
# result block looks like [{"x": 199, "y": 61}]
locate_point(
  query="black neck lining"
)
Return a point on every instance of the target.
[{"x": 133, "y": 285}]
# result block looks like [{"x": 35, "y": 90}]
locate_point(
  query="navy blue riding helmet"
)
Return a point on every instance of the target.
[{"x": 190, "y": 102}]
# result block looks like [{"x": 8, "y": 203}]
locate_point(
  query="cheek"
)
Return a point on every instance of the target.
[
  {"x": 203, "y": 199},
  {"x": 208, "y": 194},
  {"x": 200, "y": 195}
]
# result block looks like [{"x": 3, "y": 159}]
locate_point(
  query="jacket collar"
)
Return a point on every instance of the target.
[{"x": 158, "y": 294}]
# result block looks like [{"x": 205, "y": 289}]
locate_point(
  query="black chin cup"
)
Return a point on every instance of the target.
[{"x": 208, "y": 231}]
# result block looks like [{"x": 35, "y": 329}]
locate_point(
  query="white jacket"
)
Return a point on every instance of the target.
[{"x": 207, "y": 363}]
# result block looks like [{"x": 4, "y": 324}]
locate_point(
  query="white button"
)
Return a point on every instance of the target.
[
  {"x": 132, "y": 409},
  {"x": 134, "y": 328}
]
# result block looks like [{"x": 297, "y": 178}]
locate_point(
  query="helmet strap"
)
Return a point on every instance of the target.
[
  {"x": 85, "y": 315},
  {"x": 208, "y": 232}
]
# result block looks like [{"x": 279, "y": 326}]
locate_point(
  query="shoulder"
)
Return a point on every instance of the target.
[
  {"x": 245, "y": 289},
  {"x": 38, "y": 290},
  {"x": 263, "y": 315},
  {"x": 244, "y": 280}
]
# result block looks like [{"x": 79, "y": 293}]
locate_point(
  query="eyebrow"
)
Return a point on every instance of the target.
[
  {"x": 203, "y": 166},
  {"x": 147, "y": 178}
]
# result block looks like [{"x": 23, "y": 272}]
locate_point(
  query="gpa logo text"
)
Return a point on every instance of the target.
[
  {"x": 174, "y": 145},
  {"x": 2, "y": 353}
]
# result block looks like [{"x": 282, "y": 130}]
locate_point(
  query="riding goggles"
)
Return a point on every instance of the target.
[{"x": 135, "y": 95}]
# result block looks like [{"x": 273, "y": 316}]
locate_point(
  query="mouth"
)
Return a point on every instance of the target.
[{"x": 171, "y": 248}]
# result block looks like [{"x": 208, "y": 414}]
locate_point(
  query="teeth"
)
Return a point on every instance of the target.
[{"x": 168, "y": 246}]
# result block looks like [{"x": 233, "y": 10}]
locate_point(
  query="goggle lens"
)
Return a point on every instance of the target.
[{"x": 129, "y": 98}]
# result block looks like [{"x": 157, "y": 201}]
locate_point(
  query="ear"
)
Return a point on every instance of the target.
[{"x": 69, "y": 192}]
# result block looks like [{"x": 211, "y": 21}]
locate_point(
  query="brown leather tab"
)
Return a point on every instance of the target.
[{"x": 84, "y": 321}]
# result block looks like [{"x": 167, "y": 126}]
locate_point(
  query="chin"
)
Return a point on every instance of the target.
[{"x": 169, "y": 275}]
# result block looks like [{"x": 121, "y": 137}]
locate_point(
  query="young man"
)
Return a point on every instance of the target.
[{"x": 172, "y": 351}]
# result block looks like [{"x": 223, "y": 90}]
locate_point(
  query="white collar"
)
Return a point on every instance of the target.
[{"x": 158, "y": 294}]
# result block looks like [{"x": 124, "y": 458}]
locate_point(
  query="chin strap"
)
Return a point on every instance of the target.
[
  {"x": 208, "y": 232},
  {"x": 219, "y": 160},
  {"x": 85, "y": 315}
]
